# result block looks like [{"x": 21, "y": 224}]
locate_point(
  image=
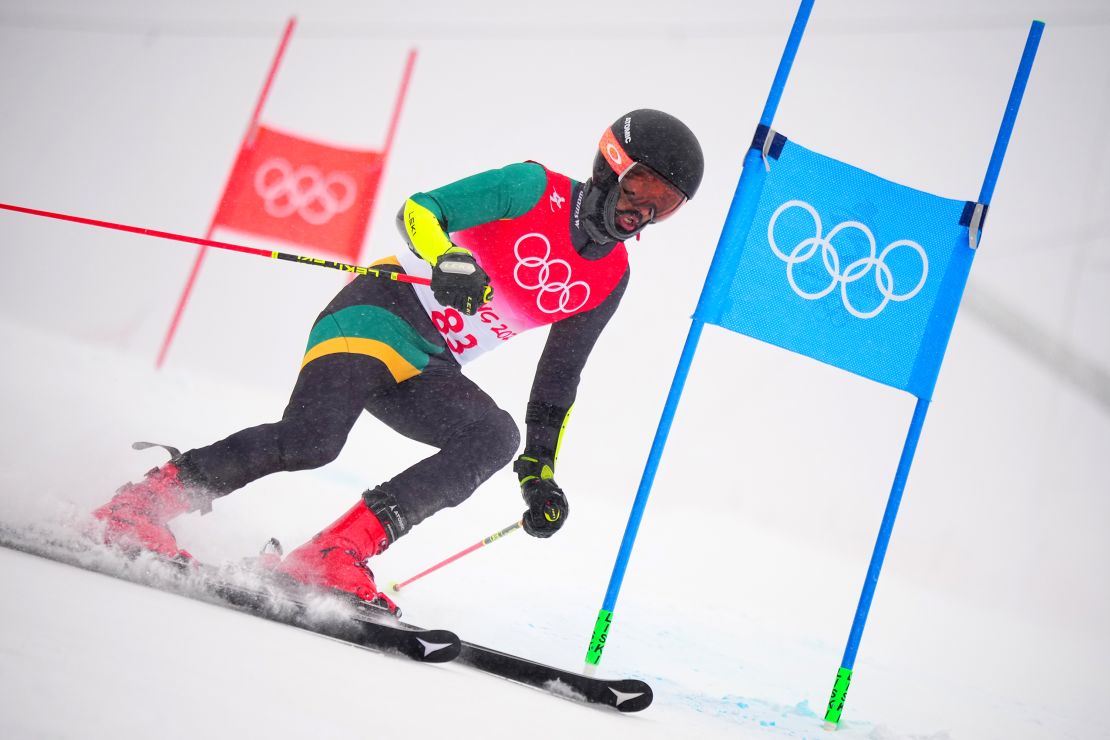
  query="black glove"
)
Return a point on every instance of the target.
[
  {"x": 548, "y": 507},
  {"x": 460, "y": 282}
]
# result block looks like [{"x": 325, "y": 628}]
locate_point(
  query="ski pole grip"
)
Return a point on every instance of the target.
[{"x": 507, "y": 530}]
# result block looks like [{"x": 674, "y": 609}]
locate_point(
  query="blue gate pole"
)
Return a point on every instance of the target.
[
  {"x": 844, "y": 675},
  {"x": 737, "y": 224},
  {"x": 1017, "y": 92}
]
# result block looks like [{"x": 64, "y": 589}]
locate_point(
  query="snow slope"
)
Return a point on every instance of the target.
[
  {"x": 990, "y": 620},
  {"x": 737, "y": 629}
]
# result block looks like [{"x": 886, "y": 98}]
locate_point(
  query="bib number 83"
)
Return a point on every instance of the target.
[{"x": 449, "y": 321}]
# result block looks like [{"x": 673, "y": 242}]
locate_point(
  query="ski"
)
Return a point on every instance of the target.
[
  {"x": 283, "y": 600},
  {"x": 334, "y": 615},
  {"x": 249, "y": 592},
  {"x": 624, "y": 695}
]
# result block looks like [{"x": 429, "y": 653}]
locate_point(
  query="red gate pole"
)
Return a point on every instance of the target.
[{"x": 248, "y": 137}]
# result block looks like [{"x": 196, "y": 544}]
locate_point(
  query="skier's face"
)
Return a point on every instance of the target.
[{"x": 644, "y": 197}]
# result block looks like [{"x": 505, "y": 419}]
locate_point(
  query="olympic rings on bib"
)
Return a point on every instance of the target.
[{"x": 550, "y": 278}]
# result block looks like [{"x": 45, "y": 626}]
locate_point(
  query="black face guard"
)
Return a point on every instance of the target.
[
  {"x": 600, "y": 219},
  {"x": 596, "y": 202},
  {"x": 609, "y": 213}
]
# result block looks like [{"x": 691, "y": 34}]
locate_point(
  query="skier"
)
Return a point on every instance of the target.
[{"x": 506, "y": 250}]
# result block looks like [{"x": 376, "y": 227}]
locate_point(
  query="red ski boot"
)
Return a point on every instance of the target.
[
  {"x": 136, "y": 517},
  {"x": 336, "y": 557}
]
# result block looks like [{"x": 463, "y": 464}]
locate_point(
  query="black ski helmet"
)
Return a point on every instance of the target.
[{"x": 653, "y": 138}]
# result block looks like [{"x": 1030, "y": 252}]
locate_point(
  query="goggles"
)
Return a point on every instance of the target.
[{"x": 643, "y": 188}]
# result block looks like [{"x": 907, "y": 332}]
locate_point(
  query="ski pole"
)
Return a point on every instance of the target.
[
  {"x": 332, "y": 264},
  {"x": 496, "y": 536}
]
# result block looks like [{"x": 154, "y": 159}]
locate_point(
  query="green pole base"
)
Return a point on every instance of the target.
[
  {"x": 601, "y": 634},
  {"x": 836, "y": 701}
]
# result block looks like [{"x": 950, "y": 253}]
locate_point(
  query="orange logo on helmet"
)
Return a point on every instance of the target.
[{"x": 614, "y": 152}]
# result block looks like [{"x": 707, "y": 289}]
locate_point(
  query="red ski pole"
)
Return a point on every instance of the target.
[
  {"x": 496, "y": 536},
  {"x": 332, "y": 264}
]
